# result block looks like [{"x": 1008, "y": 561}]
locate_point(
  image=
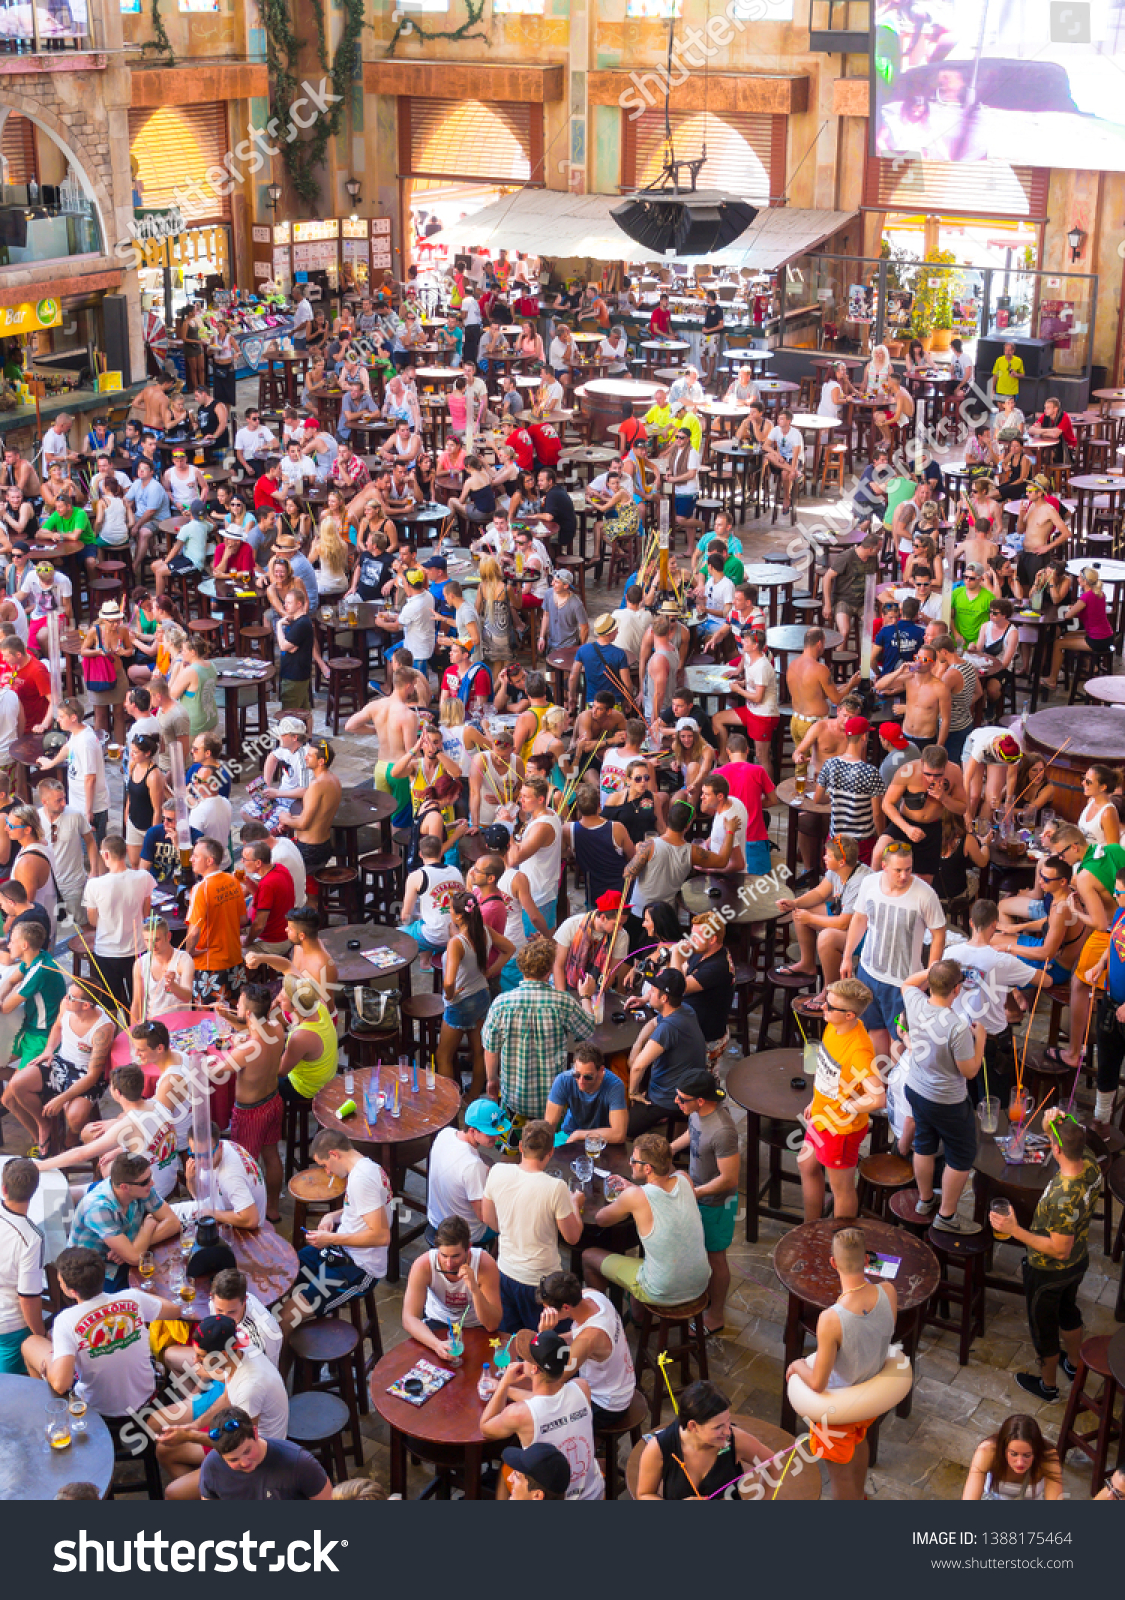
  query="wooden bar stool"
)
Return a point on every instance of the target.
[
  {"x": 257, "y": 641},
  {"x": 337, "y": 894},
  {"x": 421, "y": 1015},
  {"x": 329, "y": 1342},
  {"x": 380, "y": 877},
  {"x": 206, "y": 628},
  {"x": 312, "y": 1188},
  {"x": 347, "y": 689},
  {"x": 969, "y": 1252},
  {"x": 371, "y": 1047},
  {"x": 692, "y": 1341},
  {"x": 1096, "y": 1442},
  {"x": 901, "y": 1207},
  {"x": 317, "y": 1422},
  {"x": 788, "y": 985},
  {"x": 879, "y": 1177},
  {"x": 297, "y": 1134},
  {"x": 631, "y": 1422},
  {"x": 365, "y": 1320}
]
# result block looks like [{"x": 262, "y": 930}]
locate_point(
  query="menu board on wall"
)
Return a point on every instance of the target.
[
  {"x": 308, "y": 257},
  {"x": 315, "y": 230}
]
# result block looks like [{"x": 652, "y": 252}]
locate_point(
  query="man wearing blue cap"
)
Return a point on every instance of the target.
[{"x": 457, "y": 1174}]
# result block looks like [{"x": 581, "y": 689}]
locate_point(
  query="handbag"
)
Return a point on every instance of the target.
[
  {"x": 100, "y": 672},
  {"x": 377, "y": 1008}
]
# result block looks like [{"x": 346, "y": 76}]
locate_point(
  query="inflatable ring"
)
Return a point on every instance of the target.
[{"x": 856, "y": 1402}]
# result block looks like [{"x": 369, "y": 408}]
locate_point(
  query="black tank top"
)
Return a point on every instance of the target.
[
  {"x": 676, "y": 1484},
  {"x": 207, "y": 416},
  {"x": 599, "y": 858},
  {"x": 141, "y": 812}
]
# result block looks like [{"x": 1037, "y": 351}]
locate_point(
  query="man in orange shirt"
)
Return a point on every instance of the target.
[
  {"x": 847, "y": 1089},
  {"x": 216, "y": 913}
]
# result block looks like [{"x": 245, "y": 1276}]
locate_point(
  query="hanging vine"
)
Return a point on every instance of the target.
[
  {"x": 161, "y": 42},
  {"x": 409, "y": 26},
  {"x": 321, "y": 37}
]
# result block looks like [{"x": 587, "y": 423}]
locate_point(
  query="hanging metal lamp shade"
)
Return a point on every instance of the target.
[{"x": 691, "y": 223}]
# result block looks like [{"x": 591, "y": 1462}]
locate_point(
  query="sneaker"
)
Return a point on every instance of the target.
[
  {"x": 1068, "y": 1367},
  {"x": 925, "y": 1208},
  {"x": 1032, "y": 1383},
  {"x": 955, "y": 1224}
]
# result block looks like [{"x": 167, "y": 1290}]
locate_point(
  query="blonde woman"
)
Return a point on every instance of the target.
[
  {"x": 331, "y": 554},
  {"x": 459, "y": 739},
  {"x": 1096, "y": 635},
  {"x": 170, "y": 639},
  {"x": 879, "y": 369},
  {"x": 495, "y": 611},
  {"x": 549, "y": 741}
]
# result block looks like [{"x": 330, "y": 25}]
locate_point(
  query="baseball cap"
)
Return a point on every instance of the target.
[
  {"x": 542, "y": 1465},
  {"x": 291, "y": 725},
  {"x": 21, "y": 546},
  {"x": 415, "y": 576},
  {"x": 436, "y": 561},
  {"x": 686, "y": 722},
  {"x": 672, "y": 983},
  {"x": 975, "y": 568},
  {"x": 856, "y": 725},
  {"x": 610, "y": 901},
  {"x": 309, "y": 425},
  {"x": 1007, "y": 748},
  {"x": 215, "y": 1333},
  {"x": 561, "y": 575},
  {"x": 496, "y": 837},
  {"x": 197, "y": 508},
  {"x": 550, "y": 1353},
  {"x": 701, "y": 1086},
  {"x": 486, "y": 1117},
  {"x": 893, "y": 734}
]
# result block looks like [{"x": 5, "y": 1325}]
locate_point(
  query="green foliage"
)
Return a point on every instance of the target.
[
  {"x": 304, "y": 157},
  {"x": 161, "y": 41},
  {"x": 410, "y": 27},
  {"x": 935, "y": 282}
]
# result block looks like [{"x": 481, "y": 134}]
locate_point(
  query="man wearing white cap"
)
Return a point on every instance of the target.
[{"x": 285, "y": 772}]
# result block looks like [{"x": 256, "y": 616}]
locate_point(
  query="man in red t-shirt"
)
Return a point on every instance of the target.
[
  {"x": 267, "y": 486},
  {"x": 548, "y": 445},
  {"x": 660, "y": 323},
  {"x": 752, "y": 785},
  {"x": 522, "y": 443},
  {"x": 273, "y": 898},
  {"x": 31, "y": 681}
]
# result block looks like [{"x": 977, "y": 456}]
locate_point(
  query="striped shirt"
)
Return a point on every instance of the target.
[
  {"x": 961, "y": 702},
  {"x": 851, "y": 786}
]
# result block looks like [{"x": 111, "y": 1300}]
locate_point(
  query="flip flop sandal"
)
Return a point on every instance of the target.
[
  {"x": 1054, "y": 1057},
  {"x": 817, "y": 1003},
  {"x": 792, "y": 970}
]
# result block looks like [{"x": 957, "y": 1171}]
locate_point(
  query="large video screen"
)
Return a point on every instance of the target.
[{"x": 1036, "y": 82}]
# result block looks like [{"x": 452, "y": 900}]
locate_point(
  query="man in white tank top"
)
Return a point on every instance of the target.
[
  {"x": 554, "y": 1411},
  {"x": 538, "y": 849},
  {"x": 456, "y": 1284},
  {"x": 144, "y": 1128},
  {"x": 598, "y": 1347},
  {"x": 852, "y": 1341}
]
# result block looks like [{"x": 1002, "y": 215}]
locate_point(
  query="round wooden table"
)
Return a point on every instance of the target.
[
  {"x": 751, "y": 897},
  {"x": 1090, "y": 734},
  {"x": 351, "y": 965},
  {"x": 800, "y": 1482},
  {"x": 358, "y": 811},
  {"x": 802, "y": 805},
  {"x": 25, "y": 752},
  {"x": 446, "y": 1429},
  {"x": 232, "y": 685},
  {"x": 269, "y": 1262},
  {"x": 762, "y": 1086},
  {"x": 804, "y": 1266},
  {"x": 29, "y": 1468},
  {"x": 788, "y": 638},
  {"x": 394, "y": 1142},
  {"x": 1110, "y": 691}
]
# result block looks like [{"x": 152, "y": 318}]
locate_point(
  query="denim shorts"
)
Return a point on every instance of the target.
[
  {"x": 468, "y": 1013},
  {"x": 953, "y": 1127},
  {"x": 1055, "y": 969},
  {"x": 885, "y": 1005}
]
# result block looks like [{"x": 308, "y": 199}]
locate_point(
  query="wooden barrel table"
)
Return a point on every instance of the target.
[
  {"x": 1069, "y": 739},
  {"x": 604, "y": 401}
]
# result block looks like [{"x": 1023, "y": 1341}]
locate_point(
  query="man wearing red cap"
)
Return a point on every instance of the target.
[
  {"x": 583, "y": 945},
  {"x": 855, "y": 789},
  {"x": 990, "y": 761},
  {"x": 899, "y": 750}
]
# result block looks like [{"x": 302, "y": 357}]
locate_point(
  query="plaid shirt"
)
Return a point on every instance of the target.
[
  {"x": 529, "y": 1028},
  {"x": 353, "y": 472},
  {"x": 99, "y": 1216}
]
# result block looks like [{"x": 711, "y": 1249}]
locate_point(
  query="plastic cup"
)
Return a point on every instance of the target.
[{"x": 988, "y": 1114}]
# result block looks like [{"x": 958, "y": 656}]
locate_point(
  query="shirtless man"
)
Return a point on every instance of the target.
[
  {"x": 1066, "y": 932},
  {"x": 919, "y": 794},
  {"x": 311, "y": 822},
  {"x": 1042, "y": 528},
  {"x": 927, "y": 698},
  {"x": 811, "y": 689},
  {"x": 393, "y": 719},
  {"x": 900, "y": 408},
  {"x": 151, "y": 407},
  {"x": 509, "y": 690},
  {"x": 308, "y": 957},
  {"x": 256, "y": 1119},
  {"x": 597, "y": 728},
  {"x": 20, "y": 473}
]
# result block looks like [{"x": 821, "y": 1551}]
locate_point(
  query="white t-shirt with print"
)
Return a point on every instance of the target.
[
  {"x": 84, "y": 756},
  {"x": 257, "y": 1389},
  {"x": 442, "y": 883},
  {"x": 368, "y": 1190},
  {"x": 108, "y": 1338},
  {"x": 119, "y": 899}
]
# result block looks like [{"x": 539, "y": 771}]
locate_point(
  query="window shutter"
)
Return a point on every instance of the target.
[
  {"x": 741, "y": 150},
  {"x": 965, "y": 188},
  {"x": 489, "y": 140},
  {"x": 17, "y": 145},
  {"x": 174, "y": 148}
]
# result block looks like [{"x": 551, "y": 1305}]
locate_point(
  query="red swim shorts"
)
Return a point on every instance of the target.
[
  {"x": 837, "y": 1150},
  {"x": 761, "y": 728},
  {"x": 254, "y": 1127},
  {"x": 839, "y": 1440}
]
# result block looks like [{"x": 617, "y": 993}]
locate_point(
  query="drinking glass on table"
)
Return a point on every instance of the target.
[
  {"x": 147, "y": 1265},
  {"x": 57, "y": 1426},
  {"x": 76, "y": 1407},
  {"x": 595, "y": 1144}
]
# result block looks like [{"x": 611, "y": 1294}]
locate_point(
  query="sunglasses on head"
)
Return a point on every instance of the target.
[
  {"x": 897, "y": 848},
  {"x": 231, "y": 1425}
]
